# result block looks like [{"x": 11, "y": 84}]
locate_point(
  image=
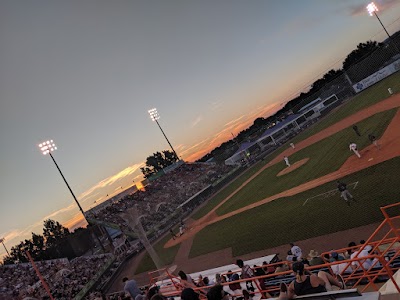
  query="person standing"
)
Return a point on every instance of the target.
[
  {"x": 373, "y": 140},
  {"x": 247, "y": 272},
  {"x": 344, "y": 193},
  {"x": 355, "y": 128},
  {"x": 131, "y": 287},
  {"x": 292, "y": 145},
  {"x": 286, "y": 159},
  {"x": 353, "y": 147}
]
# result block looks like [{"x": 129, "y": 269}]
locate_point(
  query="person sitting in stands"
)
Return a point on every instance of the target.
[
  {"x": 189, "y": 294},
  {"x": 310, "y": 284},
  {"x": 282, "y": 268},
  {"x": 217, "y": 293},
  {"x": 315, "y": 259},
  {"x": 186, "y": 280}
]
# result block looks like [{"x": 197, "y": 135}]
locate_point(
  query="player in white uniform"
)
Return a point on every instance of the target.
[
  {"x": 353, "y": 147},
  {"x": 286, "y": 159}
]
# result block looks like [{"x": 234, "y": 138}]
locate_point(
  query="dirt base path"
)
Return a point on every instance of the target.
[
  {"x": 293, "y": 167},
  {"x": 390, "y": 149}
]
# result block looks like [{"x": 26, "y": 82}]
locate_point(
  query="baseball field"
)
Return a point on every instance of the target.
[{"x": 260, "y": 210}]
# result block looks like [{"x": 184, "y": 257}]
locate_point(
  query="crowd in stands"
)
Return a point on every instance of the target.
[
  {"x": 162, "y": 196},
  {"x": 64, "y": 278}
]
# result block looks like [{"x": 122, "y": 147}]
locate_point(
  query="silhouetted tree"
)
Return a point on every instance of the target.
[
  {"x": 357, "y": 54},
  {"x": 157, "y": 162}
]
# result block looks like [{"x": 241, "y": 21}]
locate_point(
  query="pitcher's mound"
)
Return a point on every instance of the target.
[{"x": 293, "y": 167}]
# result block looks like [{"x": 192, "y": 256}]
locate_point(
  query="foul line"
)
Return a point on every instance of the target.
[{"x": 330, "y": 193}]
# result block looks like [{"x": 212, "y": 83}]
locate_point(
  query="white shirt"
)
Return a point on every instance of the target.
[
  {"x": 296, "y": 251},
  {"x": 365, "y": 263},
  {"x": 353, "y": 146}
]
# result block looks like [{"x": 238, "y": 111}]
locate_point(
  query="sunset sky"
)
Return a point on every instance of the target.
[{"x": 85, "y": 73}]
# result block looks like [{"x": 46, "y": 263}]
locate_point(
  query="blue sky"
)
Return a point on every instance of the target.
[{"x": 85, "y": 74}]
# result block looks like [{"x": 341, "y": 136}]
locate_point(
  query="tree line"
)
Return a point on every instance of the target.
[{"x": 42, "y": 247}]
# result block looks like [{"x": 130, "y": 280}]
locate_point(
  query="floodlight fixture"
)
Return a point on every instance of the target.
[
  {"x": 154, "y": 114},
  {"x": 155, "y": 117},
  {"x": 372, "y": 8},
  {"x": 47, "y": 147}
]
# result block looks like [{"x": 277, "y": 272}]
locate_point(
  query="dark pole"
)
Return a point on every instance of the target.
[
  {"x": 167, "y": 139},
  {"x": 376, "y": 15},
  {"x": 2, "y": 241},
  {"x": 390, "y": 38},
  {"x": 76, "y": 200},
  {"x": 72, "y": 193}
]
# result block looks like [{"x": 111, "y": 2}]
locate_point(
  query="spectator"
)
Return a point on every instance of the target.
[
  {"x": 315, "y": 259},
  {"x": 309, "y": 284},
  {"x": 247, "y": 272},
  {"x": 186, "y": 280},
  {"x": 282, "y": 268},
  {"x": 189, "y": 294},
  {"x": 217, "y": 293},
  {"x": 131, "y": 287},
  {"x": 339, "y": 268},
  {"x": 296, "y": 251}
]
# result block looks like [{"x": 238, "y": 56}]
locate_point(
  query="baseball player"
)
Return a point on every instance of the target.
[
  {"x": 373, "y": 140},
  {"x": 353, "y": 147},
  {"x": 292, "y": 145},
  {"x": 286, "y": 159},
  {"x": 344, "y": 193}
]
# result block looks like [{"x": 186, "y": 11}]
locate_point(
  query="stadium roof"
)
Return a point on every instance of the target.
[
  {"x": 310, "y": 104},
  {"x": 280, "y": 125},
  {"x": 244, "y": 146}
]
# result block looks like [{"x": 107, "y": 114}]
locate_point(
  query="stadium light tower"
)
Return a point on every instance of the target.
[
  {"x": 155, "y": 117},
  {"x": 372, "y": 9},
  {"x": 2, "y": 241},
  {"x": 48, "y": 147}
]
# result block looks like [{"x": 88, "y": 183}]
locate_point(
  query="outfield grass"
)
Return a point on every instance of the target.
[
  {"x": 284, "y": 220},
  {"x": 325, "y": 156},
  {"x": 167, "y": 255},
  {"x": 226, "y": 191},
  {"x": 368, "y": 97}
]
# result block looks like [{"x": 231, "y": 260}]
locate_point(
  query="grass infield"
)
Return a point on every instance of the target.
[
  {"x": 370, "y": 96},
  {"x": 325, "y": 156},
  {"x": 287, "y": 219}
]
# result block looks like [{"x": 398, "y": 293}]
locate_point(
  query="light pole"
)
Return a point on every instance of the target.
[
  {"x": 48, "y": 147},
  {"x": 372, "y": 9},
  {"x": 155, "y": 117},
  {"x": 2, "y": 241}
]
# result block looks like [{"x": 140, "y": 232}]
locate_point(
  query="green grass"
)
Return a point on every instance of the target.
[
  {"x": 324, "y": 156},
  {"x": 368, "y": 97},
  {"x": 286, "y": 219},
  {"x": 167, "y": 255},
  {"x": 226, "y": 191}
]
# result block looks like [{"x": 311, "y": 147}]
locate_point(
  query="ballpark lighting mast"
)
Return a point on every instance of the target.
[
  {"x": 48, "y": 147},
  {"x": 2, "y": 241},
  {"x": 372, "y": 9},
  {"x": 155, "y": 117}
]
